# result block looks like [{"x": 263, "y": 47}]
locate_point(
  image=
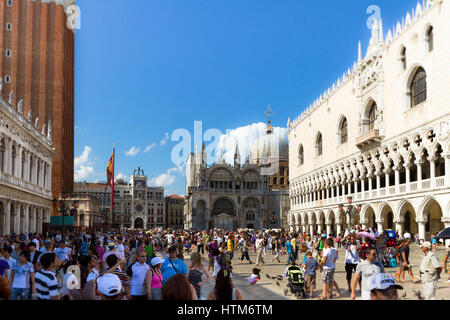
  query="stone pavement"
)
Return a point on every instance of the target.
[{"x": 268, "y": 289}]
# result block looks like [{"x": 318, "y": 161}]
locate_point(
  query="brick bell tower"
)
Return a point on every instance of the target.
[{"x": 37, "y": 65}]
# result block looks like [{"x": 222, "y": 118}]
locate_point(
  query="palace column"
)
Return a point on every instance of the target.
[
  {"x": 432, "y": 171},
  {"x": 8, "y": 217},
  {"x": 399, "y": 226},
  {"x": 421, "y": 229},
  {"x": 419, "y": 175},
  {"x": 17, "y": 218},
  {"x": 397, "y": 179},
  {"x": 408, "y": 176},
  {"x": 26, "y": 224}
]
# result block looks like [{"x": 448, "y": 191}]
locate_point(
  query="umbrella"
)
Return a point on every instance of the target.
[
  {"x": 366, "y": 235},
  {"x": 444, "y": 234}
]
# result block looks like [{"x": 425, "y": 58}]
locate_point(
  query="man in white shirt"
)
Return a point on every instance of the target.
[
  {"x": 259, "y": 245},
  {"x": 138, "y": 272},
  {"x": 365, "y": 270},
  {"x": 430, "y": 270},
  {"x": 328, "y": 266},
  {"x": 36, "y": 241},
  {"x": 351, "y": 259}
]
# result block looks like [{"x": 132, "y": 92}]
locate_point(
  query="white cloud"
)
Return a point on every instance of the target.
[
  {"x": 245, "y": 136},
  {"x": 168, "y": 178},
  {"x": 165, "y": 139},
  {"x": 84, "y": 158},
  {"x": 132, "y": 152},
  {"x": 150, "y": 147},
  {"x": 83, "y": 168},
  {"x": 163, "y": 180},
  {"x": 83, "y": 172},
  {"x": 122, "y": 177}
]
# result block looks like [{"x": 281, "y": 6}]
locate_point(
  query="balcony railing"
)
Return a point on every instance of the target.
[
  {"x": 368, "y": 138},
  {"x": 439, "y": 182}
]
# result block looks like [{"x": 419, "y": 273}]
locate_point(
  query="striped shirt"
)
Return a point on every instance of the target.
[{"x": 46, "y": 285}]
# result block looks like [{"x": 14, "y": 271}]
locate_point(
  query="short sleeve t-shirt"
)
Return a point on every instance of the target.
[
  {"x": 310, "y": 266},
  {"x": 168, "y": 270},
  {"x": 331, "y": 255},
  {"x": 351, "y": 254},
  {"x": 22, "y": 275},
  {"x": 63, "y": 253},
  {"x": 367, "y": 269}
]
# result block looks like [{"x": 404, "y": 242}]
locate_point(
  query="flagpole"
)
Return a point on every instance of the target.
[{"x": 112, "y": 183}]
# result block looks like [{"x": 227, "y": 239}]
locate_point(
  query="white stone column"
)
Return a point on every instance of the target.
[
  {"x": 17, "y": 219},
  {"x": 399, "y": 226},
  {"x": 386, "y": 178},
  {"x": 397, "y": 179},
  {"x": 319, "y": 228},
  {"x": 343, "y": 189},
  {"x": 328, "y": 229},
  {"x": 8, "y": 158},
  {"x": 26, "y": 224},
  {"x": 32, "y": 218},
  {"x": 370, "y": 183},
  {"x": 297, "y": 228},
  {"x": 379, "y": 225},
  {"x": 339, "y": 229},
  {"x": 362, "y": 187},
  {"x": 311, "y": 229},
  {"x": 408, "y": 177},
  {"x": 421, "y": 229},
  {"x": 378, "y": 183},
  {"x": 419, "y": 174},
  {"x": 332, "y": 192},
  {"x": 363, "y": 224},
  {"x": 19, "y": 161},
  {"x": 7, "y": 217},
  {"x": 355, "y": 186},
  {"x": 432, "y": 171},
  {"x": 447, "y": 170}
]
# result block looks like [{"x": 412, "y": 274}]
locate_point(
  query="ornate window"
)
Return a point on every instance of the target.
[
  {"x": 418, "y": 87},
  {"x": 2, "y": 155},
  {"x": 301, "y": 156},
  {"x": 343, "y": 129},
  {"x": 372, "y": 116},
  {"x": 319, "y": 145},
  {"x": 13, "y": 160},
  {"x": 430, "y": 39}
]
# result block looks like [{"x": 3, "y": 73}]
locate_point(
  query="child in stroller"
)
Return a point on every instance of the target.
[{"x": 296, "y": 282}]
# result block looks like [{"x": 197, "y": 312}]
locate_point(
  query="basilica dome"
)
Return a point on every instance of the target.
[{"x": 271, "y": 147}]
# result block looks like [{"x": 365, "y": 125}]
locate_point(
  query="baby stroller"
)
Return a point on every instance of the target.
[{"x": 296, "y": 283}]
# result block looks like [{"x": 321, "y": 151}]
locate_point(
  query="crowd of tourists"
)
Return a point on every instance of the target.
[{"x": 150, "y": 265}]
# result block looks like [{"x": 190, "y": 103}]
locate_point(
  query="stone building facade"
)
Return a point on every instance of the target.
[
  {"x": 229, "y": 196},
  {"x": 26, "y": 153},
  {"x": 174, "y": 211},
  {"x": 380, "y": 134},
  {"x": 136, "y": 205},
  {"x": 37, "y": 66}
]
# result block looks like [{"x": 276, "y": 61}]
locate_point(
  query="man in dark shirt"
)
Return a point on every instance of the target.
[
  {"x": 404, "y": 261},
  {"x": 213, "y": 246}
]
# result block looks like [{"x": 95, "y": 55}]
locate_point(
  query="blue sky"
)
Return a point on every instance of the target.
[{"x": 145, "y": 68}]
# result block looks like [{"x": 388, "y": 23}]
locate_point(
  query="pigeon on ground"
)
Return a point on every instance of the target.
[
  {"x": 278, "y": 284},
  {"x": 267, "y": 275}
]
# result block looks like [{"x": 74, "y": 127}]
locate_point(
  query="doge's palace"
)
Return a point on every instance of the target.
[
  {"x": 26, "y": 153},
  {"x": 380, "y": 134}
]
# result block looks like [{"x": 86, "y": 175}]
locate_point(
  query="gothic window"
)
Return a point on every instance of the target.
[
  {"x": 430, "y": 39},
  {"x": 372, "y": 116},
  {"x": 319, "y": 145},
  {"x": 403, "y": 58},
  {"x": 38, "y": 172},
  {"x": 418, "y": 87},
  {"x": 2, "y": 155},
  {"x": 22, "y": 174},
  {"x": 13, "y": 160},
  {"x": 31, "y": 169},
  {"x": 301, "y": 156},
  {"x": 344, "y": 131}
]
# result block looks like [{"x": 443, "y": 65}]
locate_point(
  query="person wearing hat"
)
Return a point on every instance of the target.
[
  {"x": 154, "y": 279},
  {"x": 383, "y": 287},
  {"x": 430, "y": 270},
  {"x": 172, "y": 265},
  {"x": 109, "y": 287},
  {"x": 111, "y": 250}
]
